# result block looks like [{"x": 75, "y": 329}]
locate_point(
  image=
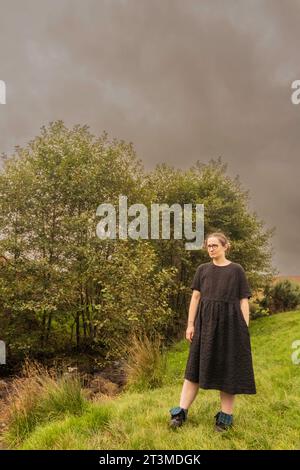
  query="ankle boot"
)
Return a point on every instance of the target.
[
  {"x": 178, "y": 416},
  {"x": 224, "y": 421}
]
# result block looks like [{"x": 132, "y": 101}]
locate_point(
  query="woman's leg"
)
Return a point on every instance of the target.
[
  {"x": 227, "y": 402},
  {"x": 188, "y": 393}
]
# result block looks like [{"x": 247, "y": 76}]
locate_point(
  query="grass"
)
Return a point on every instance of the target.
[
  {"x": 146, "y": 364},
  {"x": 39, "y": 396},
  {"x": 139, "y": 420}
]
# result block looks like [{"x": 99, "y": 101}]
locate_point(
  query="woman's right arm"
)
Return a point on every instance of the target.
[{"x": 192, "y": 314}]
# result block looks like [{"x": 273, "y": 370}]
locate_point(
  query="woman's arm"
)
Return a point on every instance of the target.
[
  {"x": 244, "y": 303},
  {"x": 192, "y": 314},
  {"x": 193, "y": 307}
]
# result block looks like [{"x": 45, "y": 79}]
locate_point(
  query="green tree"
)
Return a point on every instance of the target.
[{"x": 62, "y": 286}]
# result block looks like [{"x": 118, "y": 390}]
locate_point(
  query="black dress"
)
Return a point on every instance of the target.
[{"x": 220, "y": 352}]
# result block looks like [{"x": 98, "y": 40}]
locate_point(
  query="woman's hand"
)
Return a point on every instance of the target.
[
  {"x": 190, "y": 333},
  {"x": 244, "y": 304}
]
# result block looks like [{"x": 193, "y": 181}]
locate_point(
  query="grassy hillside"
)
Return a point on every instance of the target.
[{"x": 268, "y": 420}]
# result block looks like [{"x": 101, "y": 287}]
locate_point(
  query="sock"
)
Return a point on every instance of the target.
[{"x": 225, "y": 418}]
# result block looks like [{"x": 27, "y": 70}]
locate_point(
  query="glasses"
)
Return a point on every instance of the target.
[{"x": 213, "y": 246}]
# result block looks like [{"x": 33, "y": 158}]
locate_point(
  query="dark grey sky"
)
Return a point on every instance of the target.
[{"x": 182, "y": 80}]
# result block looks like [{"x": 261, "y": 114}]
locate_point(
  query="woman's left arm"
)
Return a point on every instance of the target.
[{"x": 244, "y": 303}]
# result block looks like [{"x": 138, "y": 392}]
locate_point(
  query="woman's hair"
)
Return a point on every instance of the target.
[{"x": 221, "y": 237}]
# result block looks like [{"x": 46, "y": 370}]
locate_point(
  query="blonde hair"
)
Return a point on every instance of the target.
[{"x": 221, "y": 237}]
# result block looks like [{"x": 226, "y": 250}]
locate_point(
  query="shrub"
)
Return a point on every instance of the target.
[
  {"x": 281, "y": 297},
  {"x": 258, "y": 311}
]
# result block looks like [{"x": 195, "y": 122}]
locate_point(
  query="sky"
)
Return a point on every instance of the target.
[{"x": 183, "y": 80}]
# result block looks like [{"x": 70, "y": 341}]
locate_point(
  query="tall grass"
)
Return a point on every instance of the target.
[
  {"x": 146, "y": 364},
  {"x": 39, "y": 396}
]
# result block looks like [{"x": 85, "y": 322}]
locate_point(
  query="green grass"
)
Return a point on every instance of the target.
[
  {"x": 41, "y": 399},
  {"x": 139, "y": 420}
]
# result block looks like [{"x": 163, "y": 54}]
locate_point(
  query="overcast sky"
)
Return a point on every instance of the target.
[{"x": 183, "y": 80}]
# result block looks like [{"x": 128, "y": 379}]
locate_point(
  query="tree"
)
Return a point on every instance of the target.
[{"x": 62, "y": 286}]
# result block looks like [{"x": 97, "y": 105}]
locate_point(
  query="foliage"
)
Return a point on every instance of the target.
[
  {"x": 62, "y": 288},
  {"x": 257, "y": 311},
  {"x": 282, "y": 296}
]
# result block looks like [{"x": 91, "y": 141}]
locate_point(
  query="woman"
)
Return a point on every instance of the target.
[{"x": 220, "y": 352}]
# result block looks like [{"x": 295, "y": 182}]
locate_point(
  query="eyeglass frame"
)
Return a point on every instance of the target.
[{"x": 213, "y": 245}]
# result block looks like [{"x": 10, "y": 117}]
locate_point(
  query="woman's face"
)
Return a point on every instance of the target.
[{"x": 215, "y": 248}]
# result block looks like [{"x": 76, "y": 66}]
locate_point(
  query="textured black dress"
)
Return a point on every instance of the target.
[{"x": 220, "y": 352}]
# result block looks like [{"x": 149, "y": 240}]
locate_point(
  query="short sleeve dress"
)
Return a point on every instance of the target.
[{"x": 220, "y": 355}]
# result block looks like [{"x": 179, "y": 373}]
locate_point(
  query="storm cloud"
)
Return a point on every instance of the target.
[{"x": 183, "y": 81}]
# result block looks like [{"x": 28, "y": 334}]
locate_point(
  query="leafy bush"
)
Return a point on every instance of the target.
[
  {"x": 258, "y": 311},
  {"x": 281, "y": 297}
]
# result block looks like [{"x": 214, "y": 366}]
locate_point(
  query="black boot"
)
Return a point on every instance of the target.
[
  {"x": 224, "y": 421},
  {"x": 178, "y": 416}
]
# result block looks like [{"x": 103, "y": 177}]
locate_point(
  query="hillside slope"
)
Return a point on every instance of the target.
[{"x": 268, "y": 420}]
